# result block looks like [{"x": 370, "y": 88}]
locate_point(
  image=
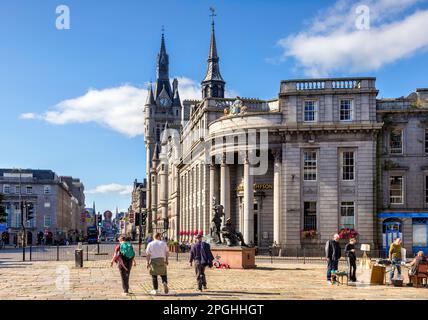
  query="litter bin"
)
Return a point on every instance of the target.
[{"x": 78, "y": 258}]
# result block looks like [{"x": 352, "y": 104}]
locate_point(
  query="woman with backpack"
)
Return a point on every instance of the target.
[{"x": 124, "y": 256}]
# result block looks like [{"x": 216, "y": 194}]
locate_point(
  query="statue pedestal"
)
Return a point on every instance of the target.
[{"x": 236, "y": 257}]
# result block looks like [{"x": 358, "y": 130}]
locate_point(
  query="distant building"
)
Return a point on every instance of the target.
[
  {"x": 138, "y": 204},
  {"x": 58, "y": 203},
  {"x": 76, "y": 189}
]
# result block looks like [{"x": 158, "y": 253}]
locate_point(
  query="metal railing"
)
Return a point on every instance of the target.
[{"x": 96, "y": 252}]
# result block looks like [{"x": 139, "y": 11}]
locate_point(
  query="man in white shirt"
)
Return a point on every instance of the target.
[{"x": 157, "y": 261}]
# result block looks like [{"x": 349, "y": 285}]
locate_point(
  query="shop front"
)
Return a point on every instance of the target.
[{"x": 411, "y": 227}]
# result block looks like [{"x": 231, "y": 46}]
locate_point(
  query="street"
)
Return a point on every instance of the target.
[{"x": 97, "y": 280}]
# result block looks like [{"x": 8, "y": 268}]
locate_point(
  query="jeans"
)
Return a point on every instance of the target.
[
  {"x": 396, "y": 264},
  {"x": 331, "y": 265},
  {"x": 200, "y": 274},
  {"x": 125, "y": 274},
  {"x": 352, "y": 268},
  {"x": 155, "y": 281}
]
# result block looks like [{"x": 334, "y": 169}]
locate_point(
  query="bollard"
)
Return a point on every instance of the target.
[
  {"x": 304, "y": 255},
  {"x": 31, "y": 253},
  {"x": 177, "y": 254},
  {"x": 78, "y": 258},
  {"x": 87, "y": 253},
  {"x": 57, "y": 252}
]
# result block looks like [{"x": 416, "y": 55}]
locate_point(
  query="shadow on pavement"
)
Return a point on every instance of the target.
[
  {"x": 244, "y": 292},
  {"x": 284, "y": 269},
  {"x": 206, "y": 293}
]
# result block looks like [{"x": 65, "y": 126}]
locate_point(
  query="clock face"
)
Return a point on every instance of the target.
[{"x": 164, "y": 102}]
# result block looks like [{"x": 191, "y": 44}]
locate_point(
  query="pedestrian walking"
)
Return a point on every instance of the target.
[
  {"x": 157, "y": 262},
  {"x": 124, "y": 256},
  {"x": 395, "y": 258},
  {"x": 201, "y": 254},
  {"x": 351, "y": 259},
  {"x": 332, "y": 253}
]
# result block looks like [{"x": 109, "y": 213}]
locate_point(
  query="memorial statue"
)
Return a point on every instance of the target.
[
  {"x": 216, "y": 223},
  {"x": 232, "y": 236}
]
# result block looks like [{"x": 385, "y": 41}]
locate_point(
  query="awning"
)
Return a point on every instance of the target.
[{"x": 402, "y": 215}]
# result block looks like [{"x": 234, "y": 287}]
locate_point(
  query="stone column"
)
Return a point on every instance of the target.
[
  {"x": 225, "y": 188},
  {"x": 163, "y": 197},
  {"x": 277, "y": 196},
  {"x": 148, "y": 191},
  {"x": 212, "y": 189},
  {"x": 248, "y": 203},
  {"x": 154, "y": 191}
]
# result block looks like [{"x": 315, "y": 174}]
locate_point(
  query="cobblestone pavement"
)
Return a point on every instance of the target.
[{"x": 97, "y": 280}]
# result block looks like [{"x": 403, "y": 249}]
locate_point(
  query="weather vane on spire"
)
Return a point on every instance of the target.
[
  {"x": 163, "y": 29},
  {"x": 213, "y": 14}
]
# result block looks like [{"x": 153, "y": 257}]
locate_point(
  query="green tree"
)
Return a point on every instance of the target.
[{"x": 3, "y": 215}]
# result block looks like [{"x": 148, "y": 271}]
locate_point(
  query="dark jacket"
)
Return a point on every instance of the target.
[
  {"x": 349, "y": 254},
  {"x": 202, "y": 252},
  {"x": 332, "y": 250}
]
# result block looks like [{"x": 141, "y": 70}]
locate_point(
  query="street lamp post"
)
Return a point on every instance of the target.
[
  {"x": 140, "y": 230},
  {"x": 21, "y": 207}
]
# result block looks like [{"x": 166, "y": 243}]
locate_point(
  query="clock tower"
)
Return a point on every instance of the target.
[{"x": 163, "y": 106}]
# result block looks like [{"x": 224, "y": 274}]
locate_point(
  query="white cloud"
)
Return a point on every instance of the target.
[
  {"x": 332, "y": 43},
  {"x": 112, "y": 188},
  {"x": 118, "y": 108},
  {"x": 28, "y": 116}
]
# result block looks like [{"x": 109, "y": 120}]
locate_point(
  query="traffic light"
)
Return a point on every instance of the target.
[
  {"x": 100, "y": 220},
  {"x": 30, "y": 211},
  {"x": 137, "y": 218},
  {"x": 143, "y": 218}
]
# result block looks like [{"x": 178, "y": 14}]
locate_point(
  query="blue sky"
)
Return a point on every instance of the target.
[{"x": 51, "y": 121}]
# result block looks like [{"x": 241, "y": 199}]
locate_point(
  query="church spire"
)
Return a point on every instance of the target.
[
  {"x": 150, "y": 99},
  {"x": 162, "y": 70},
  {"x": 213, "y": 83}
]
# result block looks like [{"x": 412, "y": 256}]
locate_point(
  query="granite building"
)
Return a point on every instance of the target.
[
  {"x": 58, "y": 203},
  {"x": 293, "y": 170}
]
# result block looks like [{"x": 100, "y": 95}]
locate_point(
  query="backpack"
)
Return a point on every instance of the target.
[{"x": 127, "y": 250}]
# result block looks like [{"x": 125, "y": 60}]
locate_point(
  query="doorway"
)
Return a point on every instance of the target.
[
  {"x": 392, "y": 229},
  {"x": 256, "y": 224}
]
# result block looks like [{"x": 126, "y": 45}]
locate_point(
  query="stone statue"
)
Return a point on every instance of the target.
[
  {"x": 216, "y": 223},
  {"x": 236, "y": 106},
  {"x": 232, "y": 236}
]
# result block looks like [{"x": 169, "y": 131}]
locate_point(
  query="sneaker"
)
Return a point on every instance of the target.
[
  {"x": 205, "y": 287},
  {"x": 165, "y": 288},
  {"x": 154, "y": 292},
  {"x": 329, "y": 283},
  {"x": 125, "y": 294}
]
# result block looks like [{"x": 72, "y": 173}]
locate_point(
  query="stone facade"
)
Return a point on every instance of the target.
[
  {"x": 313, "y": 169},
  {"x": 403, "y": 171},
  {"x": 58, "y": 204}
]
